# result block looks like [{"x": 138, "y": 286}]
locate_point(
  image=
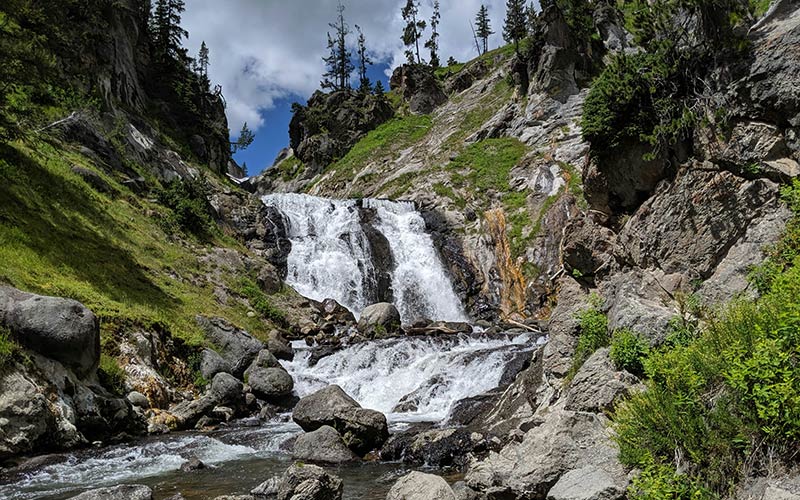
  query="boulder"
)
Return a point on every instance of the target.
[
  {"x": 363, "y": 430},
  {"x": 236, "y": 346},
  {"x": 300, "y": 482},
  {"x": 225, "y": 389},
  {"x": 25, "y": 418},
  {"x": 421, "y": 486},
  {"x": 379, "y": 320},
  {"x": 589, "y": 249},
  {"x": 322, "y": 445},
  {"x": 93, "y": 179},
  {"x": 61, "y": 329},
  {"x": 121, "y": 492},
  {"x": 192, "y": 465},
  {"x": 279, "y": 346},
  {"x": 212, "y": 363},
  {"x": 334, "y": 311},
  {"x": 433, "y": 447},
  {"x": 419, "y": 86},
  {"x": 267, "y": 378},
  {"x": 138, "y": 399},
  {"x": 598, "y": 386},
  {"x": 586, "y": 483}
]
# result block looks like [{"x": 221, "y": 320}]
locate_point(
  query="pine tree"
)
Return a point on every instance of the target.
[
  {"x": 379, "y": 90},
  {"x": 483, "y": 28},
  {"x": 202, "y": 66},
  {"x": 532, "y": 19},
  {"x": 413, "y": 31},
  {"x": 246, "y": 138},
  {"x": 337, "y": 77},
  {"x": 167, "y": 32},
  {"x": 515, "y": 28},
  {"x": 364, "y": 85},
  {"x": 433, "y": 43},
  {"x": 451, "y": 61}
]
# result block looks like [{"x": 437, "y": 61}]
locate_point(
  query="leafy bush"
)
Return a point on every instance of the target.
[
  {"x": 787, "y": 250},
  {"x": 188, "y": 201},
  {"x": 593, "y": 325},
  {"x": 7, "y": 346},
  {"x": 628, "y": 351},
  {"x": 111, "y": 376},
  {"x": 661, "y": 482}
]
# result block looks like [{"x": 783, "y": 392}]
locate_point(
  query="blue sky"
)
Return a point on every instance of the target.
[{"x": 267, "y": 54}]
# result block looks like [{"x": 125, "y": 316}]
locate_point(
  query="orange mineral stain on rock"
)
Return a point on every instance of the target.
[{"x": 512, "y": 293}]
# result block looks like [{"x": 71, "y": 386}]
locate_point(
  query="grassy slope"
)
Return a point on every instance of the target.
[{"x": 58, "y": 236}]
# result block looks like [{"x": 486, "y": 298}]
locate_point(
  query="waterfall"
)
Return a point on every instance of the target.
[
  {"x": 414, "y": 378},
  {"x": 336, "y": 254}
]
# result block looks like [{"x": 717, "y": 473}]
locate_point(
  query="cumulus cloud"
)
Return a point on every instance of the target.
[{"x": 263, "y": 51}]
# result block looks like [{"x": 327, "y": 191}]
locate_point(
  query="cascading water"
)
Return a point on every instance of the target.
[
  {"x": 332, "y": 256},
  {"x": 425, "y": 376}
]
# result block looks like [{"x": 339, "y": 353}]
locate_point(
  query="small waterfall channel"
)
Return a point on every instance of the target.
[{"x": 360, "y": 252}]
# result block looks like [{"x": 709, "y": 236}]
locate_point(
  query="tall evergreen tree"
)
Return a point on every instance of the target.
[
  {"x": 364, "y": 85},
  {"x": 515, "y": 28},
  {"x": 167, "y": 31},
  {"x": 379, "y": 90},
  {"x": 483, "y": 28},
  {"x": 413, "y": 31},
  {"x": 202, "y": 66},
  {"x": 532, "y": 19},
  {"x": 433, "y": 43},
  {"x": 246, "y": 138},
  {"x": 337, "y": 76}
]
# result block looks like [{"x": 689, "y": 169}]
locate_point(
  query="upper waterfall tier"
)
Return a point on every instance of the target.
[{"x": 359, "y": 253}]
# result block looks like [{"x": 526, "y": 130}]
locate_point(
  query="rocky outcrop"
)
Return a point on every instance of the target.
[
  {"x": 598, "y": 386},
  {"x": 421, "y": 486},
  {"x": 301, "y": 482},
  {"x": 586, "y": 483},
  {"x": 418, "y": 86},
  {"x": 379, "y": 320},
  {"x": 322, "y": 445},
  {"x": 363, "y": 430},
  {"x": 62, "y": 329},
  {"x": 237, "y": 347}
]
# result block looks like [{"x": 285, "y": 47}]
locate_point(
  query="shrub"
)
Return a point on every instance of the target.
[
  {"x": 111, "y": 376},
  {"x": 593, "y": 325},
  {"x": 658, "y": 482},
  {"x": 188, "y": 201},
  {"x": 628, "y": 351},
  {"x": 7, "y": 346}
]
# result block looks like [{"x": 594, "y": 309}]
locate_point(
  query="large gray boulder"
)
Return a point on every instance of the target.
[
  {"x": 586, "y": 483},
  {"x": 25, "y": 417},
  {"x": 121, "y": 492},
  {"x": 300, "y": 482},
  {"x": 236, "y": 346},
  {"x": 267, "y": 378},
  {"x": 421, "y": 486},
  {"x": 61, "y": 329},
  {"x": 322, "y": 445},
  {"x": 419, "y": 86},
  {"x": 598, "y": 386},
  {"x": 225, "y": 389},
  {"x": 379, "y": 320},
  {"x": 363, "y": 430},
  {"x": 212, "y": 363}
]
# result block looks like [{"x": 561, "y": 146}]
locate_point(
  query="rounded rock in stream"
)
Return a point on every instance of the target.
[
  {"x": 420, "y": 486},
  {"x": 301, "y": 482},
  {"x": 379, "y": 320},
  {"x": 323, "y": 445},
  {"x": 363, "y": 430},
  {"x": 121, "y": 492}
]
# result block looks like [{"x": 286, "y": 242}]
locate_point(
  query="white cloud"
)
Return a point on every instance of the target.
[{"x": 265, "y": 50}]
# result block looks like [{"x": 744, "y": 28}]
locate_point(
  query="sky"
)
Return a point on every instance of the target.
[{"x": 267, "y": 54}]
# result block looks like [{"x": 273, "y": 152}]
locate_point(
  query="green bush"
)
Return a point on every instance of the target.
[
  {"x": 659, "y": 482},
  {"x": 628, "y": 351},
  {"x": 7, "y": 346},
  {"x": 111, "y": 376},
  {"x": 593, "y": 325},
  {"x": 188, "y": 202}
]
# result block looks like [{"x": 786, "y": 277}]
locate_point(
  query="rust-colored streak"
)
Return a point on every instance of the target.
[{"x": 512, "y": 290}]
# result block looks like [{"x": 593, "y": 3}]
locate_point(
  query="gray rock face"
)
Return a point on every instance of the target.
[
  {"x": 237, "y": 347},
  {"x": 420, "y": 486},
  {"x": 379, "y": 319},
  {"x": 301, "y": 482},
  {"x": 589, "y": 248},
  {"x": 362, "y": 430},
  {"x": 563, "y": 326},
  {"x": 322, "y": 445},
  {"x": 638, "y": 300},
  {"x": 598, "y": 387},
  {"x": 25, "y": 418},
  {"x": 586, "y": 483},
  {"x": 418, "y": 85},
  {"x": 122, "y": 492},
  {"x": 62, "y": 329},
  {"x": 212, "y": 363}
]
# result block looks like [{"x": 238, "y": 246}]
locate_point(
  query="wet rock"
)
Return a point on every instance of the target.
[
  {"x": 421, "y": 486},
  {"x": 192, "y": 465},
  {"x": 122, "y": 492},
  {"x": 267, "y": 378},
  {"x": 322, "y": 445},
  {"x": 379, "y": 320},
  {"x": 212, "y": 363},
  {"x": 236, "y": 346},
  {"x": 598, "y": 386},
  {"x": 419, "y": 86},
  {"x": 433, "y": 447},
  {"x": 334, "y": 311},
  {"x": 586, "y": 483},
  {"x": 62, "y": 329},
  {"x": 363, "y": 430},
  {"x": 301, "y": 482}
]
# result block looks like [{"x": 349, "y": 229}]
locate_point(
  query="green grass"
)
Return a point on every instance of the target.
[
  {"x": 593, "y": 325},
  {"x": 445, "y": 191},
  {"x": 8, "y": 347},
  {"x": 290, "y": 168},
  {"x": 485, "y": 165},
  {"x": 446, "y": 71},
  {"x": 111, "y": 375}
]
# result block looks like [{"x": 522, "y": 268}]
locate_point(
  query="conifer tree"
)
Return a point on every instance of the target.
[
  {"x": 379, "y": 90},
  {"x": 515, "y": 28},
  {"x": 413, "y": 31},
  {"x": 483, "y": 28},
  {"x": 337, "y": 76},
  {"x": 433, "y": 43},
  {"x": 451, "y": 61},
  {"x": 202, "y": 66},
  {"x": 364, "y": 85},
  {"x": 246, "y": 138},
  {"x": 167, "y": 31}
]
